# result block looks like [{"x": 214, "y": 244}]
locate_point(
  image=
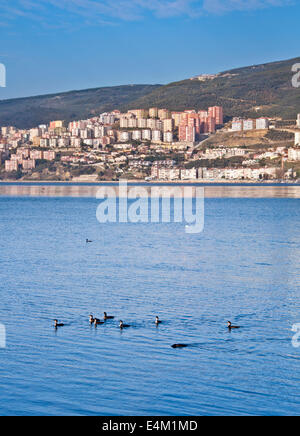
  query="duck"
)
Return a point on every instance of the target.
[
  {"x": 88, "y": 241},
  {"x": 123, "y": 326},
  {"x": 230, "y": 326},
  {"x": 106, "y": 317},
  {"x": 56, "y": 324},
  {"x": 157, "y": 321},
  {"x": 98, "y": 322},
  {"x": 179, "y": 346},
  {"x": 92, "y": 319}
]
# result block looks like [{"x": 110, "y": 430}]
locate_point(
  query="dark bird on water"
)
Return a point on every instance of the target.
[
  {"x": 92, "y": 319},
  {"x": 98, "y": 322},
  {"x": 106, "y": 317},
  {"x": 157, "y": 321},
  {"x": 123, "y": 326},
  {"x": 231, "y": 327},
  {"x": 56, "y": 324},
  {"x": 88, "y": 241}
]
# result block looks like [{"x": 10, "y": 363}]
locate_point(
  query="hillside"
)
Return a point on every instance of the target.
[
  {"x": 239, "y": 91},
  {"x": 73, "y": 105}
]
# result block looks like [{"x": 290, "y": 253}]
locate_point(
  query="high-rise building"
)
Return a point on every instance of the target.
[
  {"x": 164, "y": 114},
  {"x": 217, "y": 113},
  {"x": 136, "y": 135},
  {"x": 187, "y": 131},
  {"x": 139, "y": 113},
  {"x": 156, "y": 135},
  {"x": 142, "y": 123},
  {"x": 153, "y": 112},
  {"x": 56, "y": 124},
  {"x": 176, "y": 116},
  {"x": 168, "y": 137},
  {"x": 168, "y": 125},
  {"x": 146, "y": 135}
]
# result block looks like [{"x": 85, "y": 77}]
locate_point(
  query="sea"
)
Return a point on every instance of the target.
[{"x": 243, "y": 267}]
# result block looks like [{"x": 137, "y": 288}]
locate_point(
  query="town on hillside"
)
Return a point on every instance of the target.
[{"x": 154, "y": 145}]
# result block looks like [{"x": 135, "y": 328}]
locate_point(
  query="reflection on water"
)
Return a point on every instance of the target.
[{"x": 212, "y": 191}]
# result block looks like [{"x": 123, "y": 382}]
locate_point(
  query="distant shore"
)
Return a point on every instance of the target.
[{"x": 152, "y": 182}]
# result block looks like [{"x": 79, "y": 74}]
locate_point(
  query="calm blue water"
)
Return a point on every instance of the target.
[{"x": 244, "y": 267}]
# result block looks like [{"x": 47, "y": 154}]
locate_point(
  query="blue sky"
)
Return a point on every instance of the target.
[{"x": 58, "y": 45}]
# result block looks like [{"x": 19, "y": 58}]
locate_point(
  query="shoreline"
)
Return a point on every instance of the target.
[{"x": 153, "y": 182}]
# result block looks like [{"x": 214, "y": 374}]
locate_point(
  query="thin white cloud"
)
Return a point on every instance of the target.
[
  {"x": 223, "y": 6},
  {"x": 108, "y": 11}
]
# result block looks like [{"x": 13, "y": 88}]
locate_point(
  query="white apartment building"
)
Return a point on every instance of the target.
[
  {"x": 142, "y": 123},
  {"x": 53, "y": 142},
  {"x": 168, "y": 174},
  {"x": 262, "y": 123},
  {"x": 190, "y": 174},
  {"x": 237, "y": 126},
  {"x": 248, "y": 124},
  {"x": 125, "y": 136},
  {"x": 156, "y": 135},
  {"x": 168, "y": 137},
  {"x": 146, "y": 135},
  {"x": 44, "y": 142},
  {"x": 137, "y": 135},
  {"x": 64, "y": 142},
  {"x": 294, "y": 154}
]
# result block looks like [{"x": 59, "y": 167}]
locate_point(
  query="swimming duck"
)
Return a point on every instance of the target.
[
  {"x": 56, "y": 324},
  {"x": 157, "y": 321},
  {"x": 98, "y": 322},
  {"x": 179, "y": 346},
  {"x": 123, "y": 326},
  {"x": 230, "y": 326},
  {"x": 88, "y": 241},
  {"x": 91, "y": 319},
  {"x": 106, "y": 317}
]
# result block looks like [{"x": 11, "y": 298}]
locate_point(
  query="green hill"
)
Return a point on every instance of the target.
[
  {"x": 239, "y": 91},
  {"x": 68, "y": 106}
]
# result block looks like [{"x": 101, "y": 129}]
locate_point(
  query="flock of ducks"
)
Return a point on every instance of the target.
[{"x": 122, "y": 326}]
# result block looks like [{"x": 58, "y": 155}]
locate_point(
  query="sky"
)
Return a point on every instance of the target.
[{"x": 50, "y": 46}]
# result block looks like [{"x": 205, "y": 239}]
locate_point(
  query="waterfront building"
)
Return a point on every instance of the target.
[
  {"x": 189, "y": 174},
  {"x": 11, "y": 165},
  {"x": 28, "y": 164},
  {"x": 294, "y": 154},
  {"x": 49, "y": 155}
]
